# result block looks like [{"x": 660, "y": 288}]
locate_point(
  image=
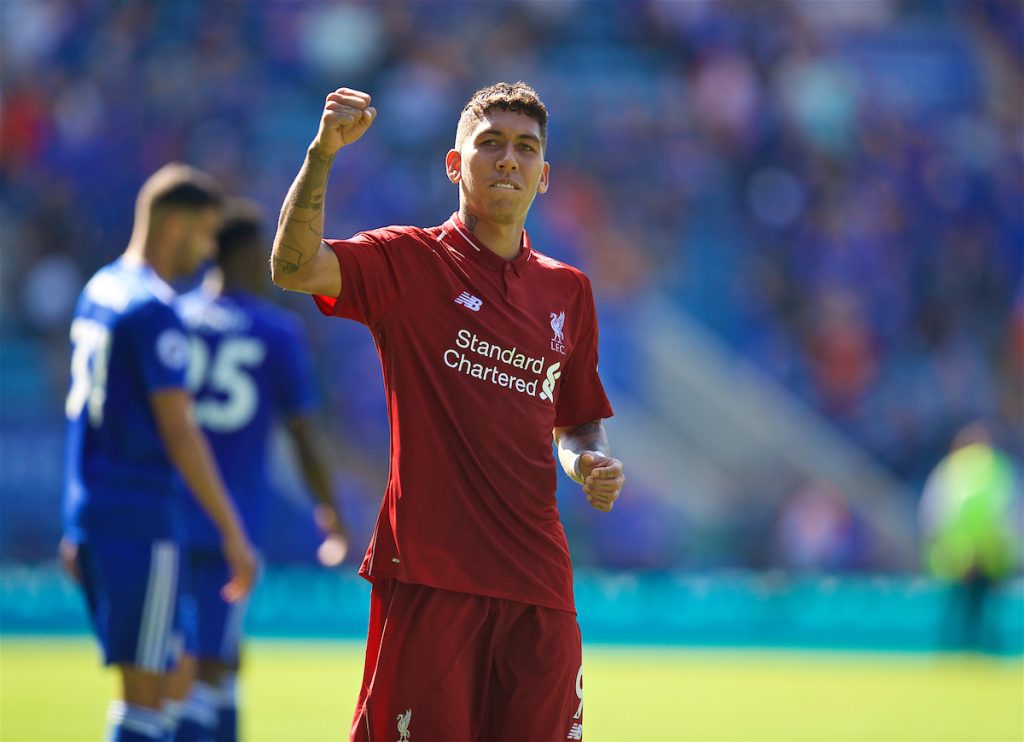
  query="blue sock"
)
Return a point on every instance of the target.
[
  {"x": 227, "y": 711},
  {"x": 130, "y": 723},
  {"x": 198, "y": 720}
]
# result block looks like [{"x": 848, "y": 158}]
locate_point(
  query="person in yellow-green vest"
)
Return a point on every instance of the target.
[{"x": 971, "y": 524}]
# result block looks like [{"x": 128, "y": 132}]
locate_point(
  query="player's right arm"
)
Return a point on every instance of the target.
[
  {"x": 190, "y": 453},
  {"x": 300, "y": 260}
]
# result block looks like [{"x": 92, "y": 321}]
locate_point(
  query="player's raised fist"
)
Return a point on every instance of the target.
[{"x": 346, "y": 117}]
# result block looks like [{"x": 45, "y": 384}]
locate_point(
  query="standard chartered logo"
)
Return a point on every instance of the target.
[
  {"x": 518, "y": 371},
  {"x": 548, "y": 387}
]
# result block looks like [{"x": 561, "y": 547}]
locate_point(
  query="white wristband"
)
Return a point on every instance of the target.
[
  {"x": 576, "y": 476},
  {"x": 571, "y": 464}
]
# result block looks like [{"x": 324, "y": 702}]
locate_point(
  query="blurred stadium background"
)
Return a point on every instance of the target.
[{"x": 804, "y": 222}]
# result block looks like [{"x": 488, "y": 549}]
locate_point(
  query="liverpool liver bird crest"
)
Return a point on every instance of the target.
[
  {"x": 557, "y": 323},
  {"x": 403, "y": 725}
]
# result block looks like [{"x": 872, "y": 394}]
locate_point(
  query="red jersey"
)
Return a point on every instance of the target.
[{"x": 481, "y": 357}]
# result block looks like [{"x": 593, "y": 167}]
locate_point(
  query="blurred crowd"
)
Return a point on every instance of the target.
[{"x": 834, "y": 188}]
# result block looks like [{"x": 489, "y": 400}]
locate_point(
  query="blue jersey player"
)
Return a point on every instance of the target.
[
  {"x": 251, "y": 367},
  {"x": 131, "y": 442}
]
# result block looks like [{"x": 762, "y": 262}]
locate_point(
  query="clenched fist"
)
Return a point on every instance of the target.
[
  {"x": 347, "y": 115},
  {"x": 602, "y": 479}
]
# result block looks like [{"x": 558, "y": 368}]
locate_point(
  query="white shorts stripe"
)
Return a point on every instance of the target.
[
  {"x": 151, "y": 651},
  {"x": 168, "y": 633},
  {"x": 142, "y": 654},
  {"x": 163, "y": 554}
]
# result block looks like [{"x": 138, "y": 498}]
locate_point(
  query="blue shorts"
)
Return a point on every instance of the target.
[
  {"x": 133, "y": 589},
  {"x": 218, "y": 623}
]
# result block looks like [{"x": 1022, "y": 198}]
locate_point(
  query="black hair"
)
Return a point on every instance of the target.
[
  {"x": 241, "y": 227},
  {"x": 517, "y": 97}
]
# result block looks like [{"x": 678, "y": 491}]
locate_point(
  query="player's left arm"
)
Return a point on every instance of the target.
[
  {"x": 585, "y": 456},
  {"x": 317, "y": 471}
]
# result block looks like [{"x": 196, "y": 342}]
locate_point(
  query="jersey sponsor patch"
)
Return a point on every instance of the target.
[
  {"x": 548, "y": 387},
  {"x": 172, "y": 349},
  {"x": 518, "y": 371}
]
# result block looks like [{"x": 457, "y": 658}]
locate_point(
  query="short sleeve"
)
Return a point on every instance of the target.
[
  {"x": 161, "y": 346},
  {"x": 295, "y": 383},
  {"x": 376, "y": 267},
  {"x": 581, "y": 396}
]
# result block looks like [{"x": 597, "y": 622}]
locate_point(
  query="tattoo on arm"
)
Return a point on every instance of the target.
[
  {"x": 286, "y": 258},
  {"x": 300, "y": 226},
  {"x": 314, "y": 199},
  {"x": 586, "y": 437}
]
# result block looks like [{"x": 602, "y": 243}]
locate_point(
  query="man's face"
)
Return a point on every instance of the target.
[
  {"x": 197, "y": 239},
  {"x": 500, "y": 167}
]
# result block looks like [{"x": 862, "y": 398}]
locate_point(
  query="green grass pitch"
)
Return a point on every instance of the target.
[{"x": 54, "y": 689}]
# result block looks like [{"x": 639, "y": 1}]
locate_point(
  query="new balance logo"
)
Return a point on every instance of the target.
[
  {"x": 575, "y": 731},
  {"x": 469, "y": 301}
]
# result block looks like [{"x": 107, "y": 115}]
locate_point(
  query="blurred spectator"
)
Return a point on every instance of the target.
[{"x": 817, "y": 530}]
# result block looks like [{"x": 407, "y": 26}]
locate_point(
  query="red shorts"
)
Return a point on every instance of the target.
[{"x": 443, "y": 666}]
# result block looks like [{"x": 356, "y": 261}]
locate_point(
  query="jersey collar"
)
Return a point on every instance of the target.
[
  {"x": 160, "y": 288},
  {"x": 455, "y": 233}
]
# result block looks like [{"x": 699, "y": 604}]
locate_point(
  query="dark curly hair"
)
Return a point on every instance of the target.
[{"x": 518, "y": 97}]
